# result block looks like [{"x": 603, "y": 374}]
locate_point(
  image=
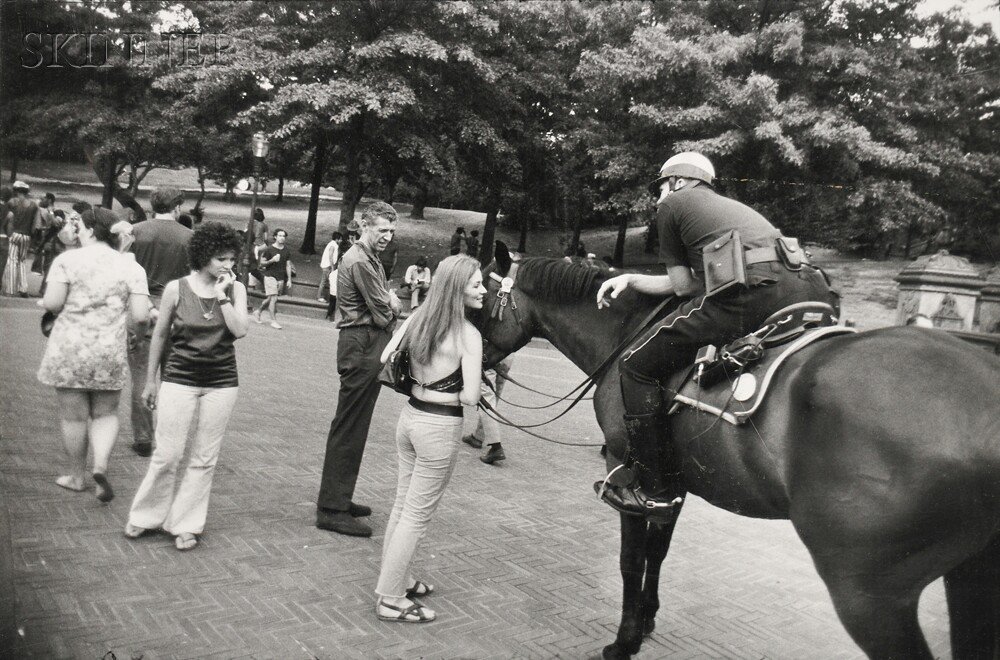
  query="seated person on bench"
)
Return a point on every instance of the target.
[
  {"x": 418, "y": 280},
  {"x": 738, "y": 294}
]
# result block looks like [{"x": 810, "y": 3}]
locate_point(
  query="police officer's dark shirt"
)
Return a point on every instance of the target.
[
  {"x": 362, "y": 290},
  {"x": 693, "y": 217}
]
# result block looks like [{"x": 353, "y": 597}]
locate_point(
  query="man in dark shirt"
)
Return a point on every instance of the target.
[
  {"x": 690, "y": 216},
  {"x": 368, "y": 311},
  {"x": 21, "y": 216},
  {"x": 161, "y": 249}
]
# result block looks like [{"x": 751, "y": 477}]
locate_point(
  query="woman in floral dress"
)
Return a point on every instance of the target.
[{"x": 96, "y": 292}]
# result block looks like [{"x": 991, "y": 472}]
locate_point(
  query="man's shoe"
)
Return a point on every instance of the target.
[
  {"x": 632, "y": 501},
  {"x": 359, "y": 510},
  {"x": 472, "y": 441},
  {"x": 144, "y": 449},
  {"x": 341, "y": 522},
  {"x": 493, "y": 455}
]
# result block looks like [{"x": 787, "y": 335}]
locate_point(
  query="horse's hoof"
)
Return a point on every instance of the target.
[
  {"x": 615, "y": 652},
  {"x": 648, "y": 627}
]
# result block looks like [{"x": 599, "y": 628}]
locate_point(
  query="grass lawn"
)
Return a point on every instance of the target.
[{"x": 867, "y": 287}]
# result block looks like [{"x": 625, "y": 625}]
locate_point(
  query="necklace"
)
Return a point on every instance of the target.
[{"x": 207, "y": 314}]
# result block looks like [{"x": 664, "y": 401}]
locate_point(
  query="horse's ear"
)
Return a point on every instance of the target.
[{"x": 502, "y": 256}]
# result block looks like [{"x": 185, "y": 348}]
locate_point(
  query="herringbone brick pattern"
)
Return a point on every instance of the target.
[{"x": 524, "y": 558}]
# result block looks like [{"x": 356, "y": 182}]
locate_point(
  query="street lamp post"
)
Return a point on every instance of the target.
[{"x": 260, "y": 147}]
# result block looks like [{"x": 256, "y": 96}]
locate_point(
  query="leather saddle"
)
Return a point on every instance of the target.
[{"x": 731, "y": 382}]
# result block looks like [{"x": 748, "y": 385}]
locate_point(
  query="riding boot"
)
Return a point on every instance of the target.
[{"x": 651, "y": 483}]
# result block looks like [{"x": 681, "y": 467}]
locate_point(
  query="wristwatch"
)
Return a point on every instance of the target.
[{"x": 224, "y": 301}]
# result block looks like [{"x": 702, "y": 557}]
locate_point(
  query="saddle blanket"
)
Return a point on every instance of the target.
[{"x": 738, "y": 397}]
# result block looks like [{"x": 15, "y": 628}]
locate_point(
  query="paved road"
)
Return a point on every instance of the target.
[{"x": 524, "y": 557}]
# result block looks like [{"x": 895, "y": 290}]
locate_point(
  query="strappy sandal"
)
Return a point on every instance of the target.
[
  {"x": 185, "y": 541},
  {"x": 420, "y": 589},
  {"x": 134, "y": 531},
  {"x": 414, "y": 613}
]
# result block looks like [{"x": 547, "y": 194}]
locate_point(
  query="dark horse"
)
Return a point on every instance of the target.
[{"x": 881, "y": 447}]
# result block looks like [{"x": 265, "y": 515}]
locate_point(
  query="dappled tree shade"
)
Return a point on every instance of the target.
[{"x": 856, "y": 124}]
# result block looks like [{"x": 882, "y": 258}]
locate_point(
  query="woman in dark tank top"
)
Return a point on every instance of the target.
[{"x": 201, "y": 316}]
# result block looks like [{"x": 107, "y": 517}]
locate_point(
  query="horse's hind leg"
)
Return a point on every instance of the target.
[
  {"x": 882, "y": 623},
  {"x": 973, "y": 592}
]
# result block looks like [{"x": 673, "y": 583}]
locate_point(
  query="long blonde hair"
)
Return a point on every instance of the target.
[{"x": 443, "y": 312}]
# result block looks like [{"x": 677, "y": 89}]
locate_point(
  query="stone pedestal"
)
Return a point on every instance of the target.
[{"x": 940, "y": 287}]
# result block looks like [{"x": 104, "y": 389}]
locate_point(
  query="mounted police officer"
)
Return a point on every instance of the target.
[{"x": 752, "y": 272}]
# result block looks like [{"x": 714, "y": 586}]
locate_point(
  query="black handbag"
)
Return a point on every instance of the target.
[
  {"x": 48, "y": 320},
  {"x": 395, "y": 373}
]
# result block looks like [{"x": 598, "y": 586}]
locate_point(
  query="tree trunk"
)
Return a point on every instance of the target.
[
  {"x": 13, "y": 167},
  {"x": 420, "y": 203},
  {"x": 486, "y": 248},
  {"x": 128, "y": 201},
  {"x": 281, "y": 189},
  {"x": 229, "y": 195},
  {"x": 910, "y": 230},
  {"x": 618, "y": 260},
  {"x": 352, "y": 185},
  {"x": 109, "y": 178},
  {"x": 390, "y": 189},
  {"x": 319, "y": 167},
  {"x": 522, "y": 242}
]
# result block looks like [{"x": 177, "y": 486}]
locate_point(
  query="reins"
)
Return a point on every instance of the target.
[{"x": 506, "y": 290}]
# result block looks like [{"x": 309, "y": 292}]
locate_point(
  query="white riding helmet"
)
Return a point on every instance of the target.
[{"x": 687, "y": 164}]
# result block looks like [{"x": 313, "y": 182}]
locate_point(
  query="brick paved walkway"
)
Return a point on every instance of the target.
[{"x": 524, "y": 558}]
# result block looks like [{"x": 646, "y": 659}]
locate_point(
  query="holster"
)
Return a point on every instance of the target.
[{"x": 791, "y": 253}]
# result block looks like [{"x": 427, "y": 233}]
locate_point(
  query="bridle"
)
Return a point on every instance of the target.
[{"x": 505, "y": 298}]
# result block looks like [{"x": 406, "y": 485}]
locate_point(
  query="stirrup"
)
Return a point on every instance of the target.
[{"x": 604, "y": 484}]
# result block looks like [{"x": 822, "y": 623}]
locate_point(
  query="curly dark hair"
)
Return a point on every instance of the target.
[{"x": 209, "y": 240}]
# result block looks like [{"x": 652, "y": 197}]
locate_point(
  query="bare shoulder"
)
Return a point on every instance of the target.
[{"x": 470, "y": 335}]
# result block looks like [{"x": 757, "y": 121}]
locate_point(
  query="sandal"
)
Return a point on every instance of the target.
[
  {"x": 185, "y": 541},
  {"x": 413, "y": 613},
  {"x": 69, "y": 482},
  {"x": 103, "y": 488},
  {"x": 134, "y": 531},
  {"x": 420, "y": 589}
]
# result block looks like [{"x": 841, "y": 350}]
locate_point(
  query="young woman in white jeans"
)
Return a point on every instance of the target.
[
  {"x": 446, "y": 357},
  {"x": 201, "y": 315}
]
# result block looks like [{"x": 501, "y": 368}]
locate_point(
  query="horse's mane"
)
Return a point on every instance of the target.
[{"x": 556, "y": 280}]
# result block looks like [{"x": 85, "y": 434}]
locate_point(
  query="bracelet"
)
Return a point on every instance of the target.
[{"x": 225, "y": 301}]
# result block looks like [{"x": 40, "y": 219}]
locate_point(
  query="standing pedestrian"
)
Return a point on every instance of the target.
[
  {"x": 161, "y": 249},
  {"x": 276, "y": 266},
  {"x": 96, "y": 292},
  {"x": 487, "y": 429},
  {"x": 201, "y": 317},
  {"x": 388, "y": 258},
  {"x": 368, "y": 310},
  {"x": 23, "y": 216},
  {"x": 446, "y": 357},
  {"x": 418, "y": 280},
  {"x": 457, "y": 239},
  {"x": 328, "y": 263},
  {"x": 472, "y": 244}
]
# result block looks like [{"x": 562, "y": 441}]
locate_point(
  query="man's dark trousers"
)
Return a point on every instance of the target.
[{"x": 359, "y": 350}]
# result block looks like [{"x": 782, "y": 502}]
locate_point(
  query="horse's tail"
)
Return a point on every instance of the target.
[{"x": 973, "y": 592}]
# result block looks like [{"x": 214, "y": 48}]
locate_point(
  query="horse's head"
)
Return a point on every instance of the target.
[{"x": 507, "y": 323}]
